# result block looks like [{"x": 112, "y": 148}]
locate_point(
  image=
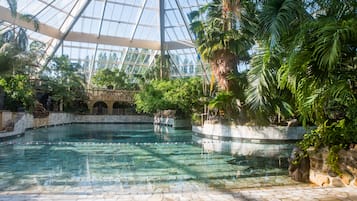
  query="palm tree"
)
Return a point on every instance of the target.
[
  {"x": 15, "y": 34},
  {"x": 14, "y": 40},
  {"x": 222, "y": 38}
]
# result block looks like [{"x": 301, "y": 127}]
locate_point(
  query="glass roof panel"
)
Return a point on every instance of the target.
[{"x": 126, "y": 32}]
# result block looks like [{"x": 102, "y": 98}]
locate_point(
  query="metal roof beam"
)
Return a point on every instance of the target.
[
  {"x": 101, "y": 20},
  {"x": 162, "y": 34},
  {"x": 138, "y": 20},
  {"x": 52, "y": 32},
  {"x": 67, "y": 25},
  {"x": 5, "y": 15}
]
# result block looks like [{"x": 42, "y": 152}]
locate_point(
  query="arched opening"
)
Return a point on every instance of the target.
[
  {"x": 123, "y": 108},
  {"x": 100, "y": 108}
]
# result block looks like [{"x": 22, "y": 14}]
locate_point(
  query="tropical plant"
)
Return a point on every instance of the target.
[
  {"x": 319, "y": 67},
  {"x": 64, "y": 82},
  {"x": 223, "y": 31},
  {"x": 13, "y": 57},
  {"x": 225, "y": 103},
  {"x": 266, "y": 101},
  {"x": 15, "y": 34},
  {"x": 19, "y": 92},
  {"x": 159, "y": 71},
  {"x": 182, "y": 95},
  {"x": 112, "y": 78}
]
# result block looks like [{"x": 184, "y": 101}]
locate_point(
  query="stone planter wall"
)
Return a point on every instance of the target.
[
  {"x": 169, "y": 118},
  {"x": 320, "y": 173},
  {"x": 172, "y": 122},
  {"x": 268, "y": 141},
  {"x": 251, "y": 132}
]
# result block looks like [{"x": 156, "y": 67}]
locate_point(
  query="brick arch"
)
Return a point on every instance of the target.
[{"x": 109, "y": 97}]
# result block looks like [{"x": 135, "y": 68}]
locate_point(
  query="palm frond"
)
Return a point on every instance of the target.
[
  {"x": 31, "y": 18},
  {"x": 277, "y": 17},
  {"x": 21, "y": 39},
  {"x": 333, "y": 38},
  {"x": 13, "y": 7}
]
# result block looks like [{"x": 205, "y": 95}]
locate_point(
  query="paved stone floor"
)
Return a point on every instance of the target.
[{"x": 280, "y": 193}]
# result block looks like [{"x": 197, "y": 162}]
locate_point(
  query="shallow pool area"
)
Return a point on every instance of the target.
[{"x": 127, "y": 158}]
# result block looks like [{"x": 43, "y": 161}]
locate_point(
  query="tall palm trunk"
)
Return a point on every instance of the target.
[
  {"x": 224, "y": 62},
  {"x": 223, "y": 65}
]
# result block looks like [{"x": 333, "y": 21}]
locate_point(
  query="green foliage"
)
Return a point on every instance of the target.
[
  {"x": 149, "y": 99},
  {"x": 332, "y": 158},
  {"x": 225, "y": 101},
  {"x": 64, "y": 82},
  {"x": 181, "y": 95},
  {"x": 215, "y": 31},
  {"x": 115, "y": 78},
  {"x": 279, "y": 19},
  {"x": 263, "y": 96},
  {"x": 161, "y": 69},
  {"x": 18, "y": 91},
  {"x": 341, "y": 133}
]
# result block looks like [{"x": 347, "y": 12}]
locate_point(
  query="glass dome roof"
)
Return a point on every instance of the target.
[{"x": 113, "y": 33}]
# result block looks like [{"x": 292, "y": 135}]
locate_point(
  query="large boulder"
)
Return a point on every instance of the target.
[{"x": 299, "y": 166}]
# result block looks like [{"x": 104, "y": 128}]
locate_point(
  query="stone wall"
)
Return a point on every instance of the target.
[
  {"x": 112, "y": 119},
  {"x": 320, "y": 173},
  {"x": 5, "y": 117}
]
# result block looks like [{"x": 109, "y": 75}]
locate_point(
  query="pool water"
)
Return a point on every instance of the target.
[{"x": 127, "y": 158}]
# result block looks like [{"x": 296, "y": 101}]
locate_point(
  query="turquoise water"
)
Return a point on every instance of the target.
[{"x": 127, "y": 157}]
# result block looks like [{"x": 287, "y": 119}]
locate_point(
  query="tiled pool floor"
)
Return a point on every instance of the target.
[
  {"x": 122, "y": 162},
  {"x": 301, "y": 192}
]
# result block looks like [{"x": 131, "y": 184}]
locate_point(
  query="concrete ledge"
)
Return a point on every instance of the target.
[
  {"x": 26, "y": 121},
  {"x": 251, "y": 132},
  {"x": 272, "y": 141}
]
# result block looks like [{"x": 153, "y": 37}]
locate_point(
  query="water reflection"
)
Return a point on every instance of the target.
[{"x": 244, "y": 148}]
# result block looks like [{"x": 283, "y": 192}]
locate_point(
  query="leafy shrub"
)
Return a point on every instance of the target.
[{"x": 182, "y": 95}]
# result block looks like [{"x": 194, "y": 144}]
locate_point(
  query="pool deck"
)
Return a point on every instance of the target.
[{"x": 280, "y": 193}]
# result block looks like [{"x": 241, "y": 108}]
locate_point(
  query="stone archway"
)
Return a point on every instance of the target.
[
  {"x": 124, "y": 98},
  {"x": 100, "y": 108}
]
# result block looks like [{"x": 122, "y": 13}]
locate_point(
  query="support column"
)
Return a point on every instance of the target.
[
  {"x": 110, "y": 107},
  {"x": 162, "y": 35},
  {"x": 90, "y": 106}
]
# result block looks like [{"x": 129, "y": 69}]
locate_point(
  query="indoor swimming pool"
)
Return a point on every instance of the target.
[{"x": 127, "y": 158}]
